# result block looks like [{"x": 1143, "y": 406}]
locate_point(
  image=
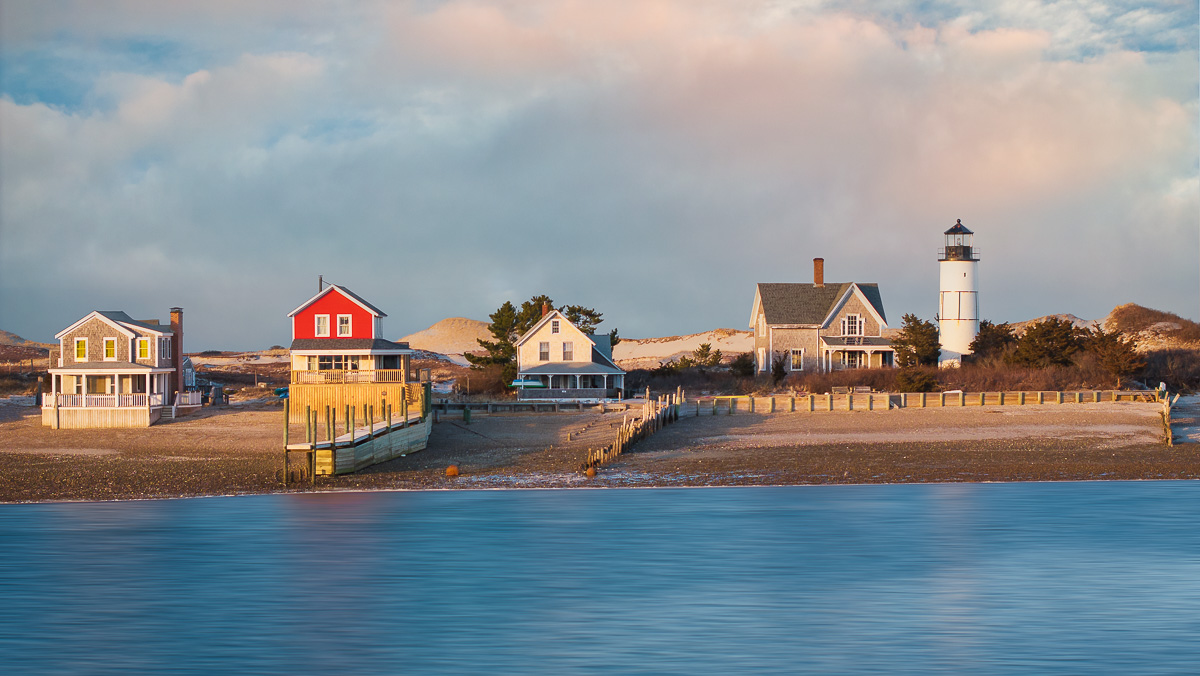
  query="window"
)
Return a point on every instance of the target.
[
  {"x": 568, "y": 351},
  {"x": 553, "y": 326},
  {"x": 143, "y": 348},
  {"x": 335, "y": 362},
  {"x": 110, "y": 349},
  {"x": 344, "y": 329},
  {"x": 164, "y": 349},
  {"x": 81, "y": 349},
  {"x": 797, "y": 360},
  {"x": 322, "y": 326},
  {"x": 544, "y": 351},
  {"x": 762, "y": 359},
  {"x": 852, "y": 325}
]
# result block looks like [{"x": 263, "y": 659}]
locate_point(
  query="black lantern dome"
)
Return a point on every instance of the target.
[{"x": 958, "y": 244}]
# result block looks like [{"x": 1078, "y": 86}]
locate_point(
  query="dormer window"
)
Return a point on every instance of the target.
[
  {"x": 553, "y": 326},
  {"x": 344, "y": 326},
  {"x": 81, "y": 349},
  {"x": 110, "y": 349},
  {"x": 321, "y": 330},
  {"x": 852, "y": 325}
]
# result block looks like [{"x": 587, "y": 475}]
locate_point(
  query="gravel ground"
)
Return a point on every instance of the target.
[{"x": 238, "y": 449}]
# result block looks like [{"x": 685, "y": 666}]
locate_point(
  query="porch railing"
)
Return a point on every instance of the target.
[
  {"x": 188, "y": 399},
  {"x": 335, "y": 376},
  {"x": 105, "y": 400}
]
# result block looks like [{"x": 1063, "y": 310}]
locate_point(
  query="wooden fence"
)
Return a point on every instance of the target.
[
  {"x": 882, "y": 401},
  {"x": 655, "y": 414}
]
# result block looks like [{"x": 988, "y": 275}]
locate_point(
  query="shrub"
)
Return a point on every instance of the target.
[
  {"x": 916, "y": 380},
  {"x": 742, "y": 366},
  {"x": 917, "y": 343},
  {"x": 1050, "y": 342}
]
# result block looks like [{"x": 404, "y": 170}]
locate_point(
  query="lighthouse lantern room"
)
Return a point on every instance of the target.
[{"x": 958, "y": 312}]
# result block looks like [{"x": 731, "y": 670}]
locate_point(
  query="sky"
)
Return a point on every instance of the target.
[{"x": 653, "y": 159}]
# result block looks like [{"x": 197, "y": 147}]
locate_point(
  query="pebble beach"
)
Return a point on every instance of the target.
[{"x": 238, "y": 450}]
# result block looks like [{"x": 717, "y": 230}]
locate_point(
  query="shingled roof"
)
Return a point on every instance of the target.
[{"x": 788, "y": 303}]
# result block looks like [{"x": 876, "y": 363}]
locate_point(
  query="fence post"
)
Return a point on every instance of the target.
[
  {"x": 1058, "y": 397},
  {"x": 752, "y": 403},
  {"x": 1097, "y": 393},
  {"x": 962, "y": 398},
  {"x": 1001, "y": 397},
  {"x": 982, "y": 398},
  {"x": 942, "y": 399},
  {"x": 714, "y": 407},
  {"x": 849, "y": 402},
  {"x": 772, "y": 404},
  {"x": 829, "y": 400},
  {"x": 812, "y": 401},
  {"x": 1041, "y": 397},
  {"x": 792, "y": 404}
]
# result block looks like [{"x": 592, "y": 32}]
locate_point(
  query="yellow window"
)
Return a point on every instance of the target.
[
  {"x": 81, "y": 349},
  {"x": 143, "y": 348},
  {"x": 110, "y": 348}
]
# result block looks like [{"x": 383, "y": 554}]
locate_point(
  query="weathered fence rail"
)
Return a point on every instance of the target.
[
  {"x": 654, "y": 415},
  {"x": 882, "y": 401}
]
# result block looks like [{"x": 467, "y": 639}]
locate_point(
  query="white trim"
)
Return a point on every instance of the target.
[
  {"x": 755, "y": 308},
  {"x": 138, "y": 343},
  {"x": 95, "y": 314},
  {"x": 349, "y": 326},
  {"x": 104, "y": 354},
  {"x": 546, "y": 344},
  {"x": 858, "y": 324},
  {"x": 837, "y": 307},
  {"x": 762, "y": 356},
  {"x": 76, "y": 348},
  {"x": 542, "y": 322},
  {"x": 564, "y": 350},
  {"x": 793, "y": 364},
  {"x": 317, "y": 326}
]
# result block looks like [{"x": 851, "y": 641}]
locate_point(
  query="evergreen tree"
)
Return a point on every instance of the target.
[
  {"x": 1050, "y": 342},
  {"x": 993, "y": 340},
  {"x": 917, "y": 343},
  {"x": 742, "y": 365},
  {"x": 613, "y": 338},
  {"x": 706, "y": 356},
  {"x": 1116, "y": 354}
]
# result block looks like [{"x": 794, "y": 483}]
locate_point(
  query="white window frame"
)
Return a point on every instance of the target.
[
  {"x": 107, "y": 342},
  {"x": 568, "y": 351},
  {"x": 349, "y": 326},
  {"x": 317, "y": 326},
  {"x": 858, "y": 322},
  {"x": 544, "y": 350},
  {"x": 554, "y": 326},
  {"x": 762, "y": 359},
  {"x": 143, "y": 343},
  {"x": 796, "y": 359},
  {"x": 84, "y": 342}
]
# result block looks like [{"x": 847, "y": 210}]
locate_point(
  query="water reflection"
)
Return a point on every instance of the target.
[{"x": 993, "y": 578}]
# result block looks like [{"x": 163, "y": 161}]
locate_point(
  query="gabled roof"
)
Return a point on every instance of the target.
[
  {"x": 120, "y": 321},
  {"x": 602, "y": 346},
  {"x": 806, "y": 304},
  {"x": 345, "y": 292},
  {"x": 553, "y": 314}
]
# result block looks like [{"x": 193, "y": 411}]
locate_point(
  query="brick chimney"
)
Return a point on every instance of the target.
[
  {"x": 818, "y": 272},
  {"x": 177, "y": 351},
  {"x": 545, "y": 309}
]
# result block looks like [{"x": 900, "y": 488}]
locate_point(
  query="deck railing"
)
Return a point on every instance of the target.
[
  {"x": 105, "y": 400},
  {"x": 334, "y": 376}
]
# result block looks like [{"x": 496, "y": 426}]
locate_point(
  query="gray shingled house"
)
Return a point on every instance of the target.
[{"x": 819, "y": 326}]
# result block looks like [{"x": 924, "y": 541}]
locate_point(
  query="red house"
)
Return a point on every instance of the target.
[{"x": 337, "y": 337}]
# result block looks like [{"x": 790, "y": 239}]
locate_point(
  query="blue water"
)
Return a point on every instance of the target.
[{"x": 983, "y": 578}]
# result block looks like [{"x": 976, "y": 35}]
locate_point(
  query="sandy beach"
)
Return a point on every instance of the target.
[{"x": 237, "y": 449}]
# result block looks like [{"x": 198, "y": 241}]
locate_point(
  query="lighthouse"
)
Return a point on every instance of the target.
[{"x": 958, "y": 313}]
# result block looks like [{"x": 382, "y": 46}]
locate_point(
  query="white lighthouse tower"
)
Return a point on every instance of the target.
[{"x": 958, "y": 314}]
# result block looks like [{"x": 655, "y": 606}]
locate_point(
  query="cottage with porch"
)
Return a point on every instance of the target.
[
  {"x": 114, "y": 371},
  {"x": 820, "y": 327},
  {"x": 556, "y": 360},
  {"x": 340, "y": 358}
]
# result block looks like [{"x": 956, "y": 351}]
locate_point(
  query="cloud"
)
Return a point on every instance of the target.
[{"x": 652, "y": 159}]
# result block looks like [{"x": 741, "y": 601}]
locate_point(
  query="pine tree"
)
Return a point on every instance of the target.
[
  {"x": 1117, "y": 354},
  {"x": 993, "y": 340},
  {"x": 917, "y": 343},
  {"x": 1050, "y": 342}
]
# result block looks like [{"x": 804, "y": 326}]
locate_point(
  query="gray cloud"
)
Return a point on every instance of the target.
[{"x": 653, "y": 160}]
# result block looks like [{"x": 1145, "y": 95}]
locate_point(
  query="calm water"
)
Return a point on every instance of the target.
[{"x": 986, "y": 578}]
